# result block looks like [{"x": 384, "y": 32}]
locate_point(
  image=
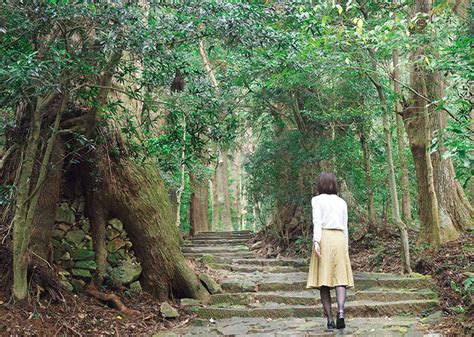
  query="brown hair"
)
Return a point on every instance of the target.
[{"x": 327, "y": 183}]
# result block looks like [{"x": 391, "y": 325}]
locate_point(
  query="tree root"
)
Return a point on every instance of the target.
[{"x": 112, "y": 299}]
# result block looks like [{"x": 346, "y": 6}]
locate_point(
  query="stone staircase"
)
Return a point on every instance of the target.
[{"x": 267, "y": 297}]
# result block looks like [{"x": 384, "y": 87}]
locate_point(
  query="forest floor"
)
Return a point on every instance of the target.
[{"x": 450, "y": 267}]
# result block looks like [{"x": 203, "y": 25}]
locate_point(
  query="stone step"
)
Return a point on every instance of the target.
[
  {"x": 311, "y": 296},
  {"x": 267, "y": 262},
  {"x": 241, "y": 255},
  {"x": 216, "y": 241},
  {"x": 299, "y": 327},
  {"x": 215, "y": 249},
  {"x": 223, "y": 237},
  {"x": 241, "y": 232},
  {"x": 352, "y": 309},
  {"x": 247, "y": 268},
  {"x": 251, "y": 282}
]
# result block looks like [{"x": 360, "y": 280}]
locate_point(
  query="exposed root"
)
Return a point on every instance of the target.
[{"x": 113, "y": 300}]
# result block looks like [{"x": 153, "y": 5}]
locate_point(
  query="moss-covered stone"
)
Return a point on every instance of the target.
[
  {"x": 167, "y": 311},
  {"x": 75, "y": 236},
  {"x": 81, "y": 273},
  {"x": 116, "y": 223},
  {"x": 90, "y": 265},
  {"x": 65, "y": 214},
  {"x": 212, "y": 286},
  {"x": 83, "y": 254}
]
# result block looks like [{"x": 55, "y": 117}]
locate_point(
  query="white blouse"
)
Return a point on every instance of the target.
[{"x": 329, "y": 212}]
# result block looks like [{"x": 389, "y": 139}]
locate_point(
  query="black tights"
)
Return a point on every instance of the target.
[{"x": 326, "y": 300}]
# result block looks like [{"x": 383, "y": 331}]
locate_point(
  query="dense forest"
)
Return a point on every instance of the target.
[{"x": 180, "y": 118}]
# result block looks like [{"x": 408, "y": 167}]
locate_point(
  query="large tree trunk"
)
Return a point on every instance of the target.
[
  {"x": 199, "y": 204},
  {"x": 214, "y": 212},
  {"x": 137, "y": 196},
  {"x": 455, "y": 211},
  {"x": 418, "y": 126},
  {"x": 404, "y": 180},
  {"x": 223, "y": 194},
  {"x": 237, "y": 188}
]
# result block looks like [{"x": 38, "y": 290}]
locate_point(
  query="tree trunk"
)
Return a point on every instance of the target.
[
  {"x": 368, "y": 177},
  {"x": 44, "y": 218},
  {"x": 404, "y": 180},
  {"x": 136, "y": 195},
  {"x": 455, "y": 211},
  {"x": 198, "y": 210},
  {"x": 214, "y": 211},
  {"x": 223, "y": 195},
  {"x": 395, "y": 208},
  {"x": 238, "y": 189},
  {"x": 417, "y": 123}
]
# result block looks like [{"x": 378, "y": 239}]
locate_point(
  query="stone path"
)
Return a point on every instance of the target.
[{"x": 267, "y": 297}]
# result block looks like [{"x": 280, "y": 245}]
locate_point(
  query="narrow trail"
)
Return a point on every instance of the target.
[{"x": 267, "y": 297}]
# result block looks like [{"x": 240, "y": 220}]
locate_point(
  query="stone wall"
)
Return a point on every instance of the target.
[{"x": 73, "y": 250}]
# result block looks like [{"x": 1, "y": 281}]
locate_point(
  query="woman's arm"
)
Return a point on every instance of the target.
[{"x": 317, "y": 222}]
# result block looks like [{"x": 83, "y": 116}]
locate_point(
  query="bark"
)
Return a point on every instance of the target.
[
  {"x": 223, "y": 194},
  {"x": 455, "y": 211},
  {"x": 183, "y": 166},
  {"x": 417, "y": 123},
  {"x": 215, "y": 214},
  {"x": 137, "y": 196},
  {"x": 238, "y": 189},
  {"x": 42, "y": 231},
  {"x": 198, "y": 210},
  {"x": 404, "y": 180}
]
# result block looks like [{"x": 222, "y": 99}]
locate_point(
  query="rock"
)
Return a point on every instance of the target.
[
  {"x": 81, "y": 273},
  {"x": 239, "y": 285},
  {"x": 75, "y": 236},
  {"x": 66, "y": 246},
  {"x": 64, "y": 227},
  {"x": 57, "y": 255},
  {"x": 67, "y": 285},
  {"x": 78, "y": 285},
  {"x": 186, "y": 302},
  {"x": 64, "y": 273},
  {"x": 122, "y": 254},
  {"x": 207, "y": 259},
  {"x": 112, "y": 233},
  {"x": 65, "y": 257},
  {"x": 128, "y": 245},
  {"x": 67, "y": 264},
  {"x": 58, "y": 234},
  {"x": 90, "y": 265},
  {"x": 167, "y": 311},
  {"x": 210, "y": 284},
  {"x": 114, "y": 259},
  {"x": 65, "y": 214},
  {"x": 126, "y": 273},
  {"x": 83, "y": 254},
  {"x": 115, "y": 244},
  {"x": 85, "y": 225},
  {"x": 437, "y": 315},
  {"x": 136, "y": 287},
  {"x": 116, "y": 223}
]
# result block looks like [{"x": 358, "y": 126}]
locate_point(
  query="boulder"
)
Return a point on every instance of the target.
[
  {"x": 83, "y": 254},
  {"x": 187, "y": 302},
  {"x": 75, "y": 236},
  {"x": 210, "y": 284},
  {"x": 126, "y": 273},
  {"x": 65, "y": 214},
  {"x": 167, "y": 311},
  {"x": 116, "y": 223}
]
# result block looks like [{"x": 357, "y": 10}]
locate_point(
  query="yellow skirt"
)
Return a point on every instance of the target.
[{"x": 333, "y": 268}]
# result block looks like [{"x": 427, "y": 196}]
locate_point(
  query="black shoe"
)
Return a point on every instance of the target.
[
  {"x": 340, "y": 323},
  {"x": 331, "y": 325}
]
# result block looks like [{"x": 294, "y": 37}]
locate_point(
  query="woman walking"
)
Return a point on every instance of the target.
[{"x": 330, "y": 266}]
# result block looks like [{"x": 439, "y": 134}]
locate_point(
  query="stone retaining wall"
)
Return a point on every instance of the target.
[{"x": 74, "y": 254}]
